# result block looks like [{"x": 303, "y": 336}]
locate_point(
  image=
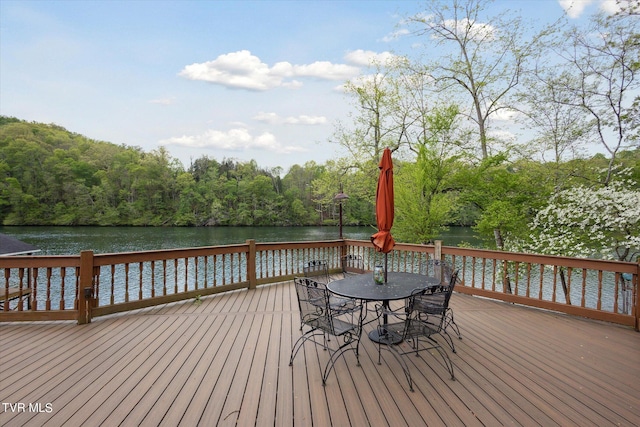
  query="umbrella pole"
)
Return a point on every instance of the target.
[{"x": 385, "y": 267}]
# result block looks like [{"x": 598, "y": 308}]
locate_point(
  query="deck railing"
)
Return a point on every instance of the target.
[{"x": 88, "y": 285}]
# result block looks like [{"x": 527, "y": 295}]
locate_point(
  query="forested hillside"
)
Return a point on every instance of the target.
[{"x": 50, "y": 176}]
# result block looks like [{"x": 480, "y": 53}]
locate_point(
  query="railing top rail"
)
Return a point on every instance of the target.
[
  {"x": 588, "y": 263},
  {"x": 295, "y": 245},
  {"x": 44, "y": 261},
  {"x": 561, "y": 261},
  {"x": 40, "y": 261},
  {"x": 165, "y": 254}
]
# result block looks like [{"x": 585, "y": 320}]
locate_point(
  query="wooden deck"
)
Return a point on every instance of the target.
[{"x": 225, "y": 361}]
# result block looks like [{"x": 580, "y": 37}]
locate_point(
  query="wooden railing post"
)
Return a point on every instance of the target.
[
  {"x": 86, "y": 282},
  {"x": 437, "y": 249},
  {"x": 251, "y": 264},
  {"x": 437, "y": 256}
]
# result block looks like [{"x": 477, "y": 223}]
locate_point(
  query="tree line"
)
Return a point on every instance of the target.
[{"x": 50, "y": 176}]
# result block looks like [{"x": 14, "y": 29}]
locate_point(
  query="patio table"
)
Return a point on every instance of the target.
[{"x": 397, "y": 287}]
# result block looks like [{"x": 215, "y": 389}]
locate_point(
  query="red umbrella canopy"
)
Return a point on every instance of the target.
[{"x": 382, "y": 240}]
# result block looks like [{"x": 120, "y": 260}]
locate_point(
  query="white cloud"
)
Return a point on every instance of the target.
[
  {"x": 395, "y": 35},
  {"x": 505, "y": 115},
  {"x": 611, "y": 6},
  {"x": 326, "y": 70},
  {"x": 574, "y": 8},
  {"x": 273, "y": 118},
  {"x": 238, "y": 70},
  {"x": 238, "y": 139},
  {"x": 244, "y": 70},
  {"x": 293, "y": 84},
  {"x": 365, "y": 58},
  {"x": 476, "y": 30},
  {"x": 306, "y": 120}
]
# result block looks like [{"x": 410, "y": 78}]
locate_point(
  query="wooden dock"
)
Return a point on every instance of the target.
[{"x": 225, "y": 361}]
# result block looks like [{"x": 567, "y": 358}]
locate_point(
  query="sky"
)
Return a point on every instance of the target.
[{"x": 243, "y": 80}]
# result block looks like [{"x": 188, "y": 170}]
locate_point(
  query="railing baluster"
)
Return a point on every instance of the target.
[
  {"x": 33, "y": 298},
  {"x": 153, "y": 278},
  {"x": 231, "y": 268},
  {"x": 186, "y": 274},
  {"x": 63, "y": 274},
  {"x": 126, "y": 282},
  {"x": 205, "y": 278},
  {"x": 555, "y": 282},
  {"x": 20, "y": 289},
  {"x": 541, "y": 281},
  {"x": 140, "y": 280},
  {"x": 484, "y": 268},
  {"x": 599, "y": 303},
  {"x": 48, "y": 285},
  {"x": 568, "y": 290},
  {"x": 113, "y": 284},
  {"x": 224, "y": 269},
  {"x": 616, "y": 292},
  {"x": 584, "y": 288},
  {"x": 196, "y": 265}
]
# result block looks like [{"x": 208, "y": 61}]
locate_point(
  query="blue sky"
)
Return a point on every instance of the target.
[{"x": 227, "y": 79}]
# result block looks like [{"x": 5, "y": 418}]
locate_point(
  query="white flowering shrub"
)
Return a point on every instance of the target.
[{"x": 590, "y": 222}]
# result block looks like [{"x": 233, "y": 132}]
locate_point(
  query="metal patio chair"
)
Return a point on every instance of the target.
[
  {"x": 352, "y": 264},
  {"x": 422, "y": 318},
  {"x": 317, "y": 270},
  {"x": 449, "y": 277},
  {"x": 325, "y": 322}
]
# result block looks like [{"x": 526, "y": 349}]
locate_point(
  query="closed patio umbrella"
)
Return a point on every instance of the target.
[{"x": 382, "y": 240}]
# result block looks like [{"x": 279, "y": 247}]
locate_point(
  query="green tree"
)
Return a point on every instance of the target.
[
  {"x": 425, "y": 200},
  {"x": 484, "y": 61},
  {"x": 374, "y": 123},
  {"x": 506, "y": 195}
]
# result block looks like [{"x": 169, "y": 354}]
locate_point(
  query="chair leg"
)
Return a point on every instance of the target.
[
  {"x": 405, "y": 368},
  {"x": 300, "y": 342},
  {"x": 451, "y": 322},
  {"x": 445, "y": 357},
  {"x": 448, "y": 339},
  {"x": 334, "y": 357}
]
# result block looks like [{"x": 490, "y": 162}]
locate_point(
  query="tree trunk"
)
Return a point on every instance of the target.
[{"x": 499, "y": 241}]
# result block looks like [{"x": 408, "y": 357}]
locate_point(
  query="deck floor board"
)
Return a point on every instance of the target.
[{"x": 224, "y": 360}]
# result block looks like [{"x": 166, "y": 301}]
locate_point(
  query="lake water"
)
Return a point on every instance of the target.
[{"x": 73, "y": 240}]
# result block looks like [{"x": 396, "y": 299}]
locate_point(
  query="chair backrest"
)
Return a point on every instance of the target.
[
  {"x": 434, "y": 302},
  {"x": 317, "y": 270},
  {"x": 352, "y": 263},
  {"x": 437, "y": 268},
  {"x": 313, "y": 299}
]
